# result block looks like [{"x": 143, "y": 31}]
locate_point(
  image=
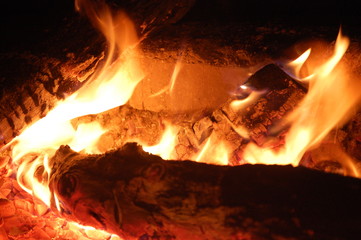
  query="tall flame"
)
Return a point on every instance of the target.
[
  {"x": 111, "y": 86},
  {"x": 331, "y": 97}
]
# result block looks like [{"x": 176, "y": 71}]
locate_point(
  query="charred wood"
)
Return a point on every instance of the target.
[
  {"x": 33, "y": 85},
  {"x": 141, "y": 196}
]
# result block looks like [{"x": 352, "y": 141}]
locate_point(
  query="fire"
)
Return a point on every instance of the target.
[
  {"x": 330, "y": 99},
  {"x": 214, "y": 151},
  {"x": 169, "y": 88},
  {"x": 242, "y": 104},
  {"x": 165, "y": 147},
  {"x": 332, "y": 95},
  {"x": 296, "y": 65},
  {"x": 86, "y": 137},
  {"x": 111, "y": 86},
  {"x": 35, "y": 186}
]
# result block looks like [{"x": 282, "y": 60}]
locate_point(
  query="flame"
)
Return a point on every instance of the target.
[
  {"x": 214, "y": 151},
  {"x": 86, "y": 137},
  {"x": 170, "y": 87},
  {"x": 112, "y": 85},
  {"x": 331, "y": 97},
  {"x": 237, "y": 105},
  {"x": 36, "y": 186},
  {"x": 297, "y": 64},
  {"x": 165, "y": 147},
  {"x": 95, "y": 233}
]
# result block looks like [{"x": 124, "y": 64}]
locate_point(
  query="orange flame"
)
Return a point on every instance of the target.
[{"x": 332, "y": 95}]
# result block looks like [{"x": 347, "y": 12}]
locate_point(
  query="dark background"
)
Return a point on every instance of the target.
[
  {"x": 25, "y": 23},
  {"x": 304, "y": 12}
]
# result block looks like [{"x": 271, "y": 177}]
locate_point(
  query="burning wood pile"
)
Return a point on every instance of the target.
[{"x": 94, "y": 148}]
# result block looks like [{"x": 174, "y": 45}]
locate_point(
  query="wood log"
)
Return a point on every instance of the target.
[
  {"x": 141, "y": 196},
  {"x": 42, "y": 82}
]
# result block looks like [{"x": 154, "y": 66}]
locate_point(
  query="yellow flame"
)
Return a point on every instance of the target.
[
  {"x": 37, "y": 186},
  {"x": 332, "y": 95},
  {"x": 237, "y": 105},
  {"x": 95, "y": 233},
  {"x": 57, "y": 202},
  {"x": 214, "y": 151},
  {"x": 297, "y": 64},
  {"x": 112, "y": 85},
  {"x": 86, "y": 137},
  {"x": 165, "y": 147},
  {"x": 170, "y": 87},
  {"x": 175, "y": 74},
  {"x": 240, "y": 130}
]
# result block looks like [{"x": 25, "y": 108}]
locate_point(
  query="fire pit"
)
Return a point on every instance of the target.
[{"x": 165, "y": 124}]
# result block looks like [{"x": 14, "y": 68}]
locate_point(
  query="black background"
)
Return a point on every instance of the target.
[{"x": 24, "y": 23}]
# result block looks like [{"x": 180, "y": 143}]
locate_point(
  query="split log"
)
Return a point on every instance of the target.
[{"x": 140, "y": 196}]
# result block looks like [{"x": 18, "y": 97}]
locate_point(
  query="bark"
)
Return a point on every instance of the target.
[
  {"x": 33, "y": 84},
  {"x": 141, "y": 196}
]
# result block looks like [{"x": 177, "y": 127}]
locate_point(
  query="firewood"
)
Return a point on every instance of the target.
[
  {"x": 32, "y": 92},
  {"x": 141, "y": 196}
]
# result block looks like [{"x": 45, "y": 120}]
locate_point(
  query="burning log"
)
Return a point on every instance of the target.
[
  {"x": 144, "y": 198},
  {"x": 33, "y": 91},
  {"x": 141, "y": 196}
]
